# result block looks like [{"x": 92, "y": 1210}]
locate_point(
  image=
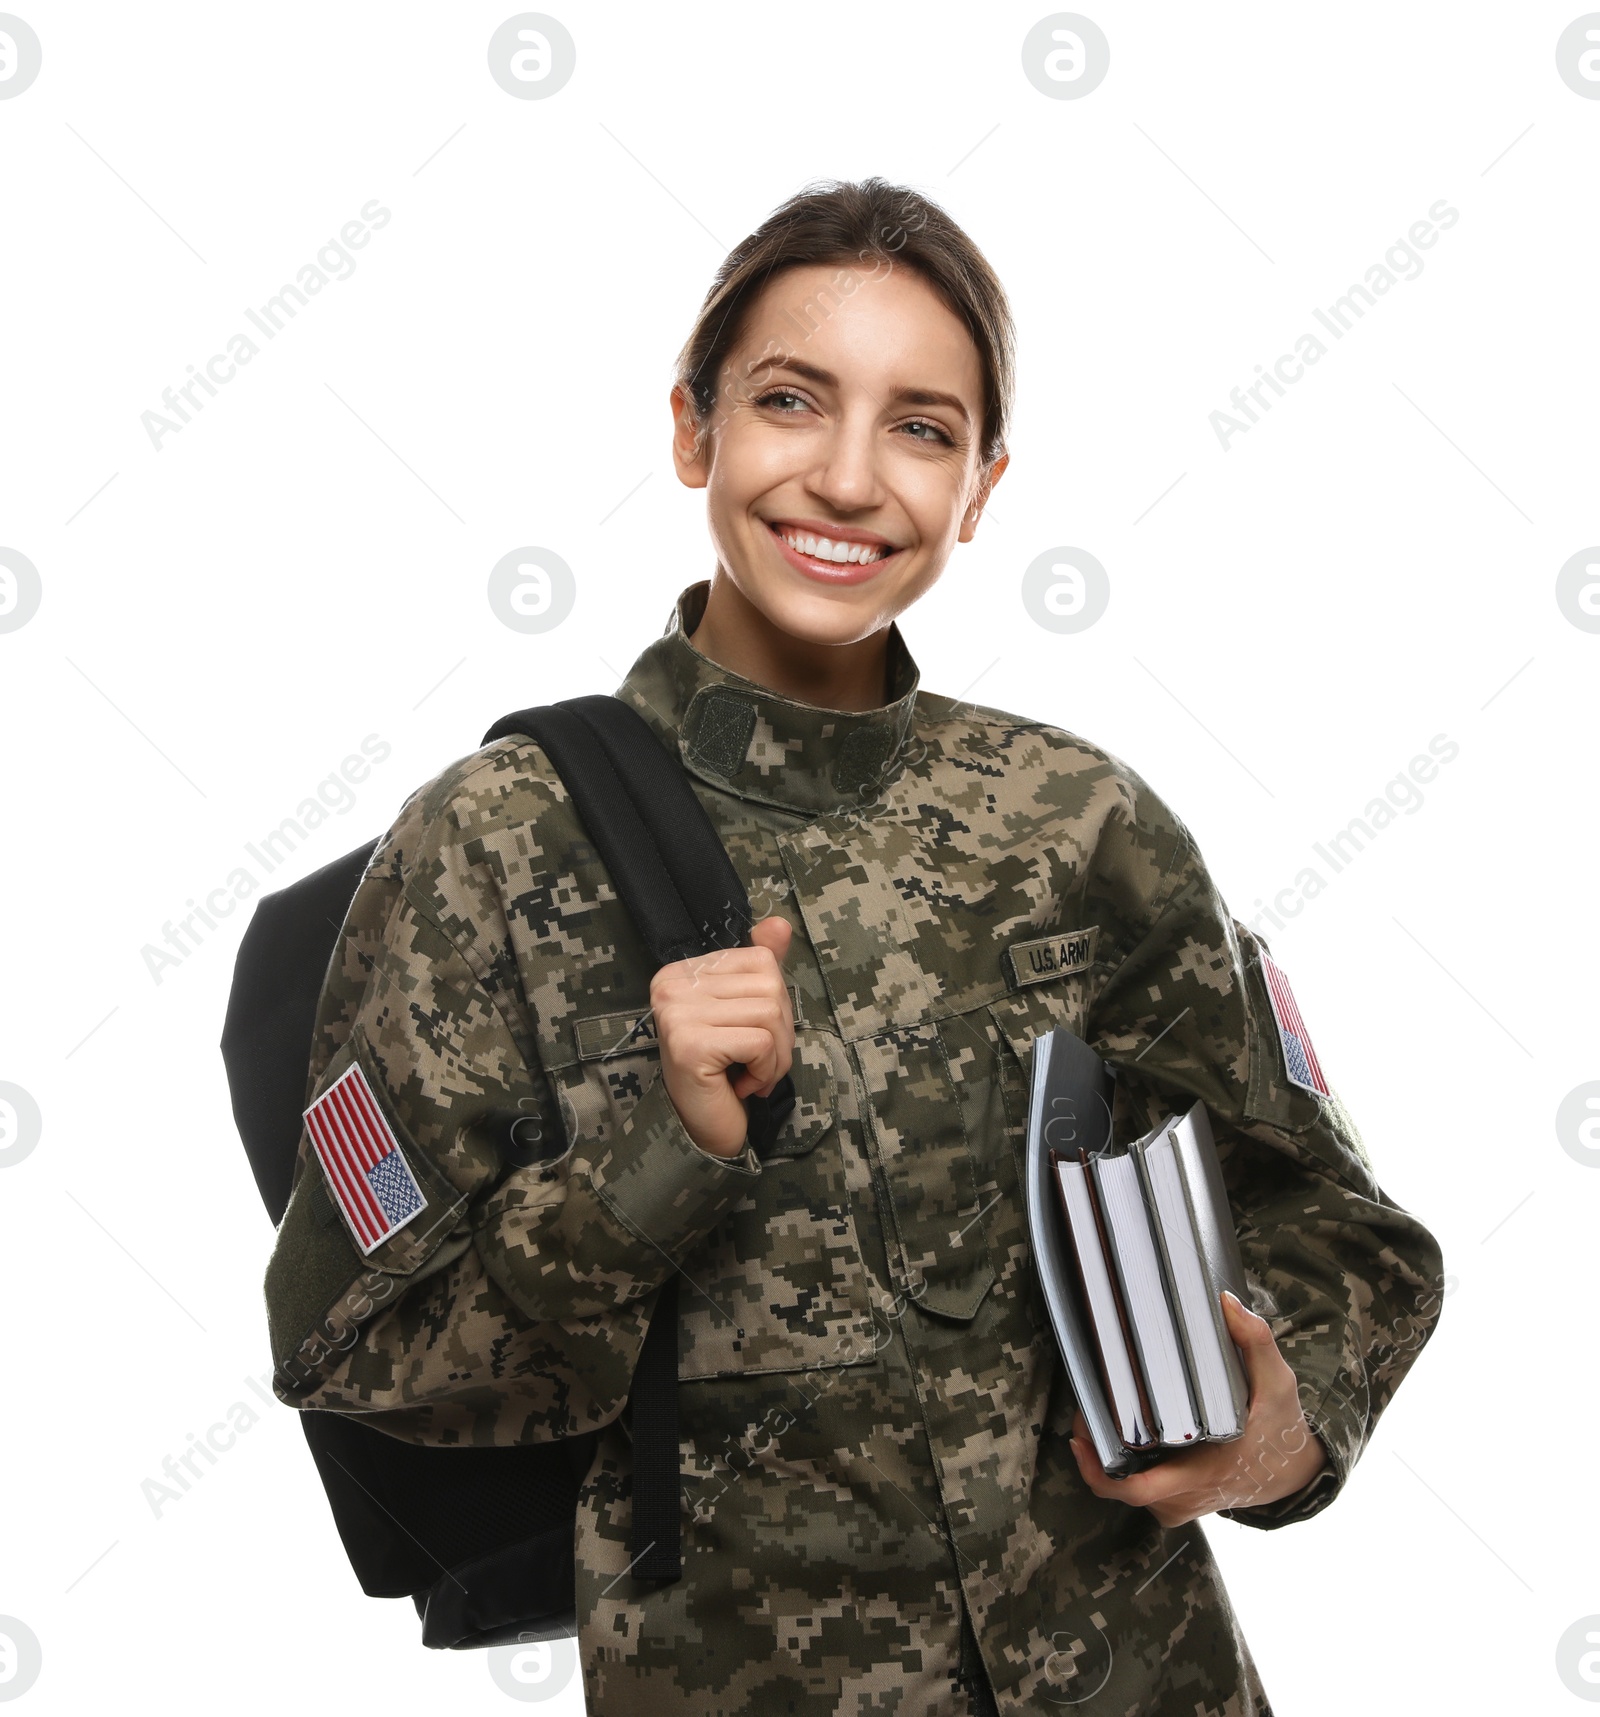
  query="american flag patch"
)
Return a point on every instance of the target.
[
  {"x": 368, "y": 1176},
  {"x": 1299, "y": 1058}
]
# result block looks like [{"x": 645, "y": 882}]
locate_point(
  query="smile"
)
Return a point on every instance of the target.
[{"x": 836, "y": 560}]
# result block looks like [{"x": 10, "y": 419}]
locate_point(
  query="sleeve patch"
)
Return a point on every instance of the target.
[
  {"x": 1299, "y": 1059},
  {"x": 367, "y": 1173}
]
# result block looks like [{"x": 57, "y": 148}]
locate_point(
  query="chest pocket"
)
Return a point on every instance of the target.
[
  {"x": 778, "y": 1284},
  {"x": 1021, "y": 1017}
]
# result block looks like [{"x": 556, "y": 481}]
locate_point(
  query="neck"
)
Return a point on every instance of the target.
[{"x": 736, "y": 635}]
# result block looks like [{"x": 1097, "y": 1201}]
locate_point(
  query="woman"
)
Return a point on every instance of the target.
[{"x": 893, "y": 1504}]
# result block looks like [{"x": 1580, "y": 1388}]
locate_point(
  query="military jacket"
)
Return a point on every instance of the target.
[{"x": 882, "y": 1511}]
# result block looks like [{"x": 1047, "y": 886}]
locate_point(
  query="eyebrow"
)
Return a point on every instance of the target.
[{"x": 904, "y": 395}]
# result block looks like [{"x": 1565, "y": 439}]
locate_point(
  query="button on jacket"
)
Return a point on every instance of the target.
[{"x": 882, "y": 1511}]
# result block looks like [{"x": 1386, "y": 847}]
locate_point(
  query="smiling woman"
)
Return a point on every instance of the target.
[
  {"x": 885, "y": 1504},
  {"x": 843, "y": 399}
]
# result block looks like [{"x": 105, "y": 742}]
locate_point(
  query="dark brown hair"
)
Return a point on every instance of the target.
[{"x": 835, "y": 221}]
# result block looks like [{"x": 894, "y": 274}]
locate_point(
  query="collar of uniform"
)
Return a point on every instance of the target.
[{"x": 740, "y": 736}]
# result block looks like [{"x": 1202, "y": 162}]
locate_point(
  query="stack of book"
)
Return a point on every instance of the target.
[{"x": 1134, "y": 1246}]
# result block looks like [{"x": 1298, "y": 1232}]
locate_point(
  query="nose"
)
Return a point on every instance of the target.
[{"x": 847, "y": 475}]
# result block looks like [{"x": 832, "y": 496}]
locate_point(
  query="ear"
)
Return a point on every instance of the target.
[
  {"x": 980, "y": 497},
  {"x": 691, "y": 441}
]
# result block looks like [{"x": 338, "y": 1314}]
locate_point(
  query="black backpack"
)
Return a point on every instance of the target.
[{"x": 481, "y": 1539}]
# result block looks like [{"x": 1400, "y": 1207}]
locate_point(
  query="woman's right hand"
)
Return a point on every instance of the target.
[{"x": 717, "y": 1009}]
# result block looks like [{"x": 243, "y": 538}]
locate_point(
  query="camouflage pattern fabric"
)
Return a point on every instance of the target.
[{"x": 881, "y": 1509}]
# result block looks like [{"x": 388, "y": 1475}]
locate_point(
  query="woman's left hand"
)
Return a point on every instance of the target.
[{"x": 1277, "y": 1455}]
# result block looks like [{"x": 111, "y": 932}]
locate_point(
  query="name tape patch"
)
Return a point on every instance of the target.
[
  {"x": 1052, "y": 956},
  {"x": 1299, "y": 1058},
  {"x": 367, "y": 1173}
]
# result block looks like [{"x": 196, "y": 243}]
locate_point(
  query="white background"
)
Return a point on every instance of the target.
[{"x": 224, "y": 619}]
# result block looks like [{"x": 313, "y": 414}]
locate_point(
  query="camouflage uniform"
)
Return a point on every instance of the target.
[{"x": 886, "y": 1512}]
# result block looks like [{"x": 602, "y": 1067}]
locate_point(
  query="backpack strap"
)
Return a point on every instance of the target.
[
  {"x": 627, "y": 847},
  {"x": 675, "y": 878},
  {"x": 667, "y": 861},
  {"x": 693, "y": 852}
]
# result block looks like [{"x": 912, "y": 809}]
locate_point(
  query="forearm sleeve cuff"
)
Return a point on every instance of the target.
[
  {"x": 660, "y": 1185},
  {"x": 1341, "y": 1428}
]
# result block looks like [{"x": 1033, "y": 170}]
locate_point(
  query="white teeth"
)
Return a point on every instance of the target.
[{"x": 841, "y": 553}]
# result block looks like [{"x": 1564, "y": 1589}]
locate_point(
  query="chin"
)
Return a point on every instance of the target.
[{"x": 838, "y": 616}]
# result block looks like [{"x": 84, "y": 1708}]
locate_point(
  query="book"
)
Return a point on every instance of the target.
[
  {"x": 1151, "y": 1323},
  {"x": 1124, "y": 1390},
  {"x": 1201, "y": 1256},
  {"x": 1069, "y": 1108},
  {"x": 1133, "y": 1246}
]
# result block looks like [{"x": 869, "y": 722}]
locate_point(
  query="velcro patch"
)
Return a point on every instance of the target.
[
  {"x": 615, "y": 1034},
  {"x": 1299, "y": 1058},
  {"x": 1052, "y": 956},
  {"x": 367, "y": 1173}
]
